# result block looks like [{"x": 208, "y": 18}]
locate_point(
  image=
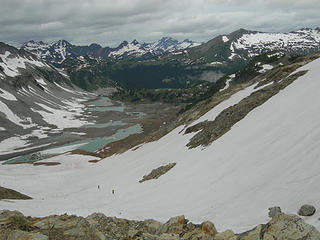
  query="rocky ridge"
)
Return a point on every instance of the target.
[{"x": 14, "y": 225}]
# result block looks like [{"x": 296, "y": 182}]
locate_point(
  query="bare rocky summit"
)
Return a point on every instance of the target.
[{"x": 14, "y": 225}]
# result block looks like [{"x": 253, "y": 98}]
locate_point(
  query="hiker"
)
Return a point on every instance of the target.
[
  {"x": 98, "y": 186},
  {"x": 112, "y": 191}
]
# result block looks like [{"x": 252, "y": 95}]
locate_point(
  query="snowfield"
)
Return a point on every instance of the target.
[
  {"x": 6, "y": 95},
  {"x": 13, "y": 117},
  {"x": 269, "y": 158}
]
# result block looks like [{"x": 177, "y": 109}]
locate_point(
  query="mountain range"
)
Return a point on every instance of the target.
[
  {"x": 242, "y": 45},
  {"x": 58, "y": 51},
  {"x": 239, "y": 45}
]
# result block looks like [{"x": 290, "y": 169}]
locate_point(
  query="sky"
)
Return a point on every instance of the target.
[{"x": 109, "y": 22}]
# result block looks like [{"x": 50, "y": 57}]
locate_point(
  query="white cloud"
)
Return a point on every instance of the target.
[{"x": 108, "y": 22}]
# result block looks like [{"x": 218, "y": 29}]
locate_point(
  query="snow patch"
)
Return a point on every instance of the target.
[
  {"x": 265, "y": 67},
  {"x": 41, "y": 81},
  {"x": 225, "y": 39},
  {"x": 216, "y": 63},
  {"x": 62, "y": 118},
  {"x": 6, "y": 95},
  {"x": 11, "y": 64},
  {"x": 228, "y": 81},
  {"x": 26, "y": 123}
]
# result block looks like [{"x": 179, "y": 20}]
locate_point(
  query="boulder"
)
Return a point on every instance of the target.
[
  {"x": 174, "y": 225},
  {"x": 307, "y": 210},
  {"x": 282, "y": 227},
  {"x": 151, "y": 226},
  {"x": 168, "y": 236},
  {"x": 208, "y": 228},
  {"x": 274, "y": 212},
  {"x": 253, "y": 234},
  {"x": 290, "y": 227},
  {"x": 58, "y": 222},
  {"x": 205, "y": 231}
]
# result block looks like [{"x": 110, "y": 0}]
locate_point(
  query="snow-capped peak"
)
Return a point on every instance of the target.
[
  {"x": 53, "y": 52},
  {"x": 135, "y": 42},
  {"x": 259, "y": 42}
]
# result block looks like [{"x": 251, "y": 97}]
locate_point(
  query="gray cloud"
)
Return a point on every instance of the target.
[{"x": 108, "y": 22}]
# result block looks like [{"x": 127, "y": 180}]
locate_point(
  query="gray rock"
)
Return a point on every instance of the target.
[
  {"x": 21, "y": 235},
  {"x": 174, "y": 225},
  {"x": 168, "y": 236},
  {"x": 133, "y": 233},
  {"x": 274, "y": 212},
  {"x": 307, "y": 210},
  {"x": 290, "y": 227},
  {"x": 156, "y": 173},
  {"x": 226, "y": 235},
  {"x": 282, "y": 227},
  {"x": 15, "y": 226}
]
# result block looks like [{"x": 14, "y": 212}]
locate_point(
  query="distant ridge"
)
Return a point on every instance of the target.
[{"x": 58, "y": 51}]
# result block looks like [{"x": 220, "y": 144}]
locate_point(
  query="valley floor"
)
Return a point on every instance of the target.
[{"x": 269, "y": 158}]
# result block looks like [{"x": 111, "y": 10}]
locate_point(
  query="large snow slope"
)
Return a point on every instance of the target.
[{"x": 270, "y": 158}]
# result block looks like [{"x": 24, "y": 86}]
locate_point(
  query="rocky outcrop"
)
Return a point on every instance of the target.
[
  {"x": 274, "y": 212},
  {"x": 156, "y": 173},
  {"x": 282, "y": 227},
  {"x": 18, "y": 234},
  {"x": 14, "y": 225},
  {"x": 6, "y": 193}
]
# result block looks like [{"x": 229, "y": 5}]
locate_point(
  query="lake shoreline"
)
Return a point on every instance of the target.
[{"x": 103, "y": 125}]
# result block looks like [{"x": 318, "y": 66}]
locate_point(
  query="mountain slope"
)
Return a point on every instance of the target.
[
  {"x": 37, "y": 102},
  {"x": 268, "y": 158}
]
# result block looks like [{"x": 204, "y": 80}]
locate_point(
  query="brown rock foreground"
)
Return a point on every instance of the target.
[{"x": 14, "y": 225}]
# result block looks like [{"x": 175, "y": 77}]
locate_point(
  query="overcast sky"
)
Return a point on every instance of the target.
[{"x": 109, "y": 22}]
